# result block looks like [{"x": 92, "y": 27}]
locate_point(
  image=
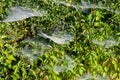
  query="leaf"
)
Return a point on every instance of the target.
[{"x": 115, "y": 63}]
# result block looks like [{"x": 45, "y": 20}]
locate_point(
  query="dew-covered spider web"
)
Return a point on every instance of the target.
[
  {"x": 19, "y": 13},
  {"x": 62, "y": 34}
]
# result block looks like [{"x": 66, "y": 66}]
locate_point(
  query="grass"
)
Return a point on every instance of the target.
[{"x": 61, "y": 62}]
